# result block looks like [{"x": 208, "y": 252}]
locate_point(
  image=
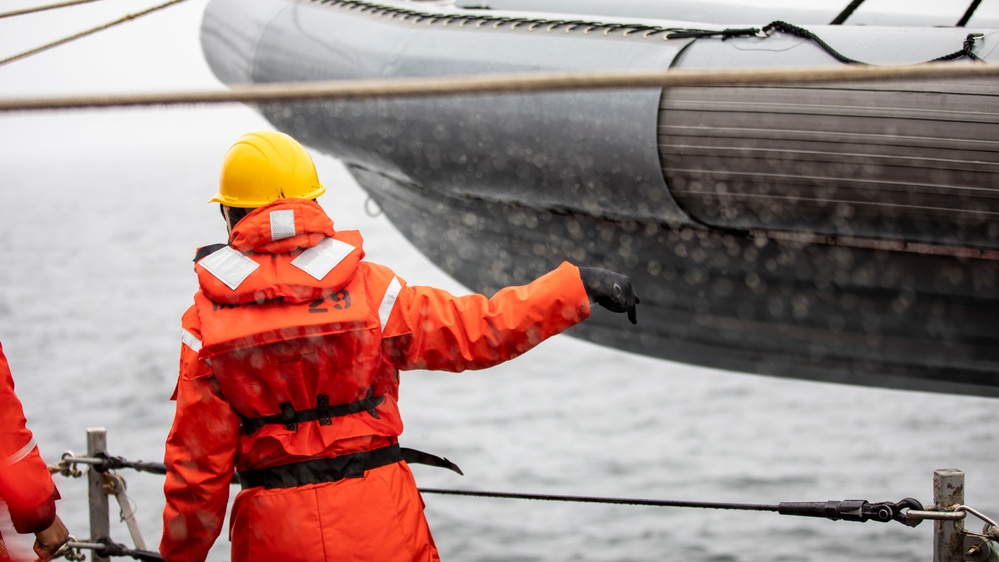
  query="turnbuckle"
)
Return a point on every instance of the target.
[{"x": 855, "y": 510}]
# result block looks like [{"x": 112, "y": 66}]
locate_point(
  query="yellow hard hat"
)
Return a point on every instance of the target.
[{"x": 265, "y": 166}]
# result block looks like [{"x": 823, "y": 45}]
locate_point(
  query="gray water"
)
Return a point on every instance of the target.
[{"x": 100, "y": 214}]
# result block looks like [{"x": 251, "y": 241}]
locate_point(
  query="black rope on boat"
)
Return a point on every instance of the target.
[
  {"x": 967, "y": 51},
  {"x": 628, "y": 29},
  {"x": 784, "y": 27}
]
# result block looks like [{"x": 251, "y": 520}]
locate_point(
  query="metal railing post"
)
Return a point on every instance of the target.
[
  {"x": 948, "y": 536},
  {"x": 100, "y": 521}
]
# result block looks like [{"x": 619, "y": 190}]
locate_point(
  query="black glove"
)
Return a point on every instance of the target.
[{"x": 610, "y": 290}]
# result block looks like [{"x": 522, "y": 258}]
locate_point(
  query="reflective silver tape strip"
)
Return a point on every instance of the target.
[
  {"x": 320, "y": 259},
  {"x": 388, "y": 301},
  {"x": 282, "y": 224},
  {"x": 229, "y": 266},
  {"x": 21, "y": 453},
  {"x": 188, "y": 339}
]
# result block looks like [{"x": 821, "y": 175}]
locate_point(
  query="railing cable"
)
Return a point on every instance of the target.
[
  {"x": 907, "y": 511},
  {"x": 604, "y": 500},
  {"x": 103, "y": 547},
  {"x": 847, "y": 510}
]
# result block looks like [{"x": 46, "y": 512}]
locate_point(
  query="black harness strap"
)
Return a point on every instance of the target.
[
  {"x": 336, "y": 468},
  {"x": 412, "y": 456},
  {"x": 290, "y": 417}
]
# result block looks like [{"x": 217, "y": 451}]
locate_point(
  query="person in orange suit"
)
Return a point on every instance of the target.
[
  {"x": 25, "y": 483},
  {"x": 289, "y": 373}
]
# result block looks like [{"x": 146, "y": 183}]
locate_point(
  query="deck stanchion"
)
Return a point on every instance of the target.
[
  {"x": 100, "y": 521},
  {"x": 948, "y": 535}
]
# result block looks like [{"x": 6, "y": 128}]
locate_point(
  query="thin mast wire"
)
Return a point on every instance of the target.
[
  {"x": 87, "y": 32},
  {"x": 43, "y": 8}
]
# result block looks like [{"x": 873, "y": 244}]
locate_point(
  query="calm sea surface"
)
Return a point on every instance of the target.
[{"x": 100, "y": 214}]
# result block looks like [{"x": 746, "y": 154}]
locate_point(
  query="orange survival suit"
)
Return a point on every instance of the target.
[
  {"x": 289, "y": 373},
  {"x": 25, "y": 484}
]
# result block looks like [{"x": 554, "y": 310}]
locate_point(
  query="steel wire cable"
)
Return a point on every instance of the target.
[
  {"x": 592, "y": 499},
  {"x": 87, "y": 32},
  {"x": 43, "y": 8}
]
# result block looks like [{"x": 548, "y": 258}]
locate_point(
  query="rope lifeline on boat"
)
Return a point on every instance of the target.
[
  {"x": 967, "y": 50},
  {"x": 784, "y": 27},
  {"x": 480, "y": 20},
  {"x": 647, "y": 31}
]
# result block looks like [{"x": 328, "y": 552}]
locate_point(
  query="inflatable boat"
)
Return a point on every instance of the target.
[{"x": 842, "y": 232}]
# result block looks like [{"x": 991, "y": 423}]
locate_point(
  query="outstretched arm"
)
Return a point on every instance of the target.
[{"x": 432, "y": 329}]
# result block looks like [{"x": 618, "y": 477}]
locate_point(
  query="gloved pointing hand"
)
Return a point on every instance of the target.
[{"x": 610, "y": 290}]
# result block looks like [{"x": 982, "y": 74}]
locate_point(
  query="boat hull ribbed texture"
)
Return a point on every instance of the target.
[{"x": 917, "y": 162}]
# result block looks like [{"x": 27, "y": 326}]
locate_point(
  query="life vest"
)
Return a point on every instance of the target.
[{"x": 294, "y": 336}]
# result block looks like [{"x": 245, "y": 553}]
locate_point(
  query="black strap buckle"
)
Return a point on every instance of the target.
[
  {"x": 288, "y": 416},
  {"x": 323, "y": 409},
  {"x": 323, "y": 412}
]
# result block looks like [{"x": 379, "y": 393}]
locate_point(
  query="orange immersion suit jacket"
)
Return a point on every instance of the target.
[
  {"x": 25, "y": 484},
  {"x": 290, "y": 317}
]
